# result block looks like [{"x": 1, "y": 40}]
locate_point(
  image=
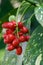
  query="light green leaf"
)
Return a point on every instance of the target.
[
  {"x": 34, "y": 47},
  {"x": 11, "y": 18},
  {"x": 10, "y": 58},
  {"x": 39, "y": 14}
]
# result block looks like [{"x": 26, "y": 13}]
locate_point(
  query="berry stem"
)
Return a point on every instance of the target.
[
  {"x": 23, "y": 13},
  {"x": 14, "y": 32},
  {"x": 17, "y": 30}
]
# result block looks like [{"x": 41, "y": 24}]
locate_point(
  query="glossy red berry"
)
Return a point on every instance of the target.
[
  {"x": 20, "y": 25},
  {"x": 9, "y": 25},
  {"x": 9, "y": 31},
  {"x": 4, "y": 25},
  {"x": 24, "y": 30},
  {"x": 19, "y": 50},
  {"x": 20, "y": 33},
  {"x": 10, "y": 47},
  {"x": 22, "y": 38},
  {"x": 11, "y": 37},
  {"x": 4, "y": 35},
  {"x": 15, "y": 42},
  {"x": 27, "y": 38},
  {"x": 6, "y": 40}
]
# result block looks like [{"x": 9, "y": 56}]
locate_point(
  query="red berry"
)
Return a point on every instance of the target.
[
  {"x": 22, "y": 38},
  {"x": 27, "y": 38},
  {"x": 5, "y": 41},
  {"x": 19, "y": 50},
  {"x": 4, "y": 35},
  {"x": 4, "y": 25},
  {"x": 20, "y": 25},
  {"x": 20, "y": 33},
  {"x": 9, "y": 38},
  {"x": 10, "y": 47},
  {"x": 15, "y": 43},
  {"x": 24, "y": 30},
  {"x": 9, "y": 31},
  {"x": 9, "y": 25}
]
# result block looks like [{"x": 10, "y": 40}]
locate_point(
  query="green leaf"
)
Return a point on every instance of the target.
[
  {"x": 39, "y": 14},
  {"x": 25, "y": 10},
  {"x": 10, "y": 58},
  {"x": 34, "y": 47},
  {"x": 1, "y": 55},
  {"x": 24, "y": 13},
  {"x": 22, "y": 9},
  {"x": 35, "y": 1}
]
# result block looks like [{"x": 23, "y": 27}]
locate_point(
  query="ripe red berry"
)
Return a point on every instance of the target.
[
  {"x": 22, "y": 38},
  {"x": 15, "y": 43},
  {"x": 19, "y": 50},
  {"x": 9, "y": 31},
  {"x": 4, "y": 35},
  {"x": 9, "y": 38},
  {"x": 27, "y": 38},
  {"x": 10, "y": 47},
  {"x": 20, "y": 25},
  {"x": 9, "y": 25},
  {"x": 20, "y": 33},
  {"x": 6, "y": 40},
  {"x": 4, "y": 25},
  {"x": 24, "y": 30}
]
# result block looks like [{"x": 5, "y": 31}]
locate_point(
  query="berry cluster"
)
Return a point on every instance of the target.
[{"x": 15, "y": 34}]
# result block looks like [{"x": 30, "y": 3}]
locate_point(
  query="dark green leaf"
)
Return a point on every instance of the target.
[
  {"x": 35, "y": 1},
  {"x": 5, "y": 8},
  {"x": 24, "y": 13},
  {"x": 34, "y": 47}
]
